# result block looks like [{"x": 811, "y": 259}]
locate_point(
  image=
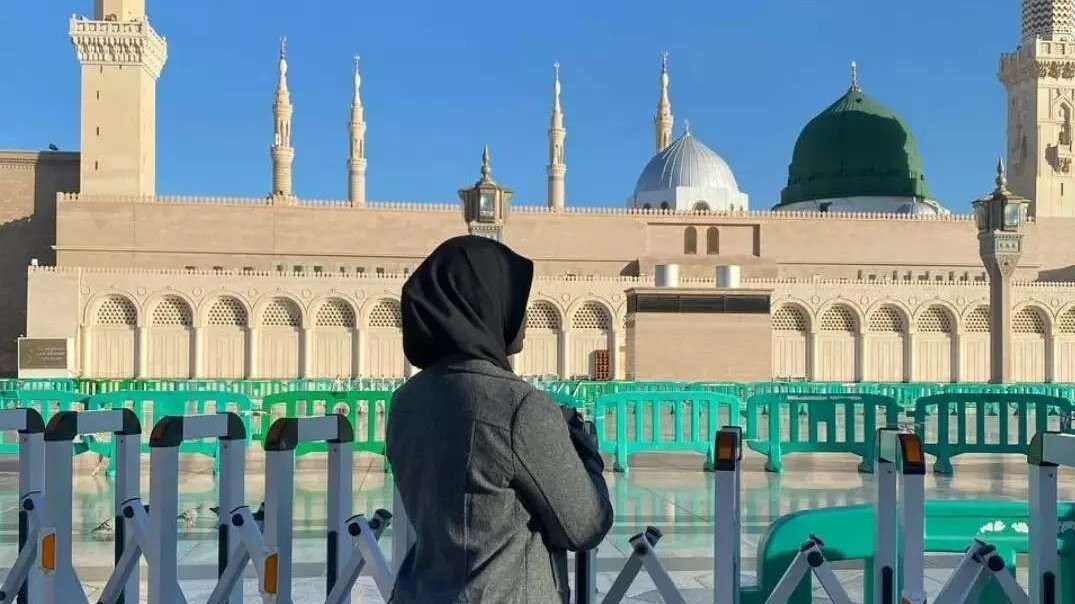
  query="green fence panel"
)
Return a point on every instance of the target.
[
  {"x": 366, "y": 409},
  {"x": 817, "y": 423},
  {"x": 45, "y": 402},
  {"x": 150, "y": 405},
  {"x": 950, "y": 526},
  {"x": 953, "y": 424},
  {"x": 905, "y": 393},
  {"x": 642, "y": 422}
]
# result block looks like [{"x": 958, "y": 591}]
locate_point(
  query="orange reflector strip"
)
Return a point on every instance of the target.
[
  {"x": 48, "y": 552},
  {"x": 912, "y": 450},
  {"x": 725, "y": 448},
  {"x": 271, "y": 577}
]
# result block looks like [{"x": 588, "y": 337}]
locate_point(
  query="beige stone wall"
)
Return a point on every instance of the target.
[
  {"x": 29, "y": 182},
  {"x": 330, "y": 236},
  {"x": 227, "y": 324}
]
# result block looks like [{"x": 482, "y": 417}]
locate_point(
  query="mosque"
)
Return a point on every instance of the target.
[{"x": 858, "y": 273}]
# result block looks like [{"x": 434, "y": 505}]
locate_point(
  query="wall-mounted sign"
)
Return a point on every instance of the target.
[{"x": 43, "y": 354}]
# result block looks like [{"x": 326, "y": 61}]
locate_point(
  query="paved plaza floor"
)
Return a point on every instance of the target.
[{"x": 669, "y": 491}]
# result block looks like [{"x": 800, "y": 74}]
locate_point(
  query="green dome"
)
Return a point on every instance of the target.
[{"x": 855, "y": 148}]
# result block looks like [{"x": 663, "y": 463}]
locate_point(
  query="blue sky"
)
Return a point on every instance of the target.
[{"x": 442, "y": 78}]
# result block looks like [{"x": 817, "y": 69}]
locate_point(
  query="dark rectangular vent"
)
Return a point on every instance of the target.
[{"x": 694, "y": 304}]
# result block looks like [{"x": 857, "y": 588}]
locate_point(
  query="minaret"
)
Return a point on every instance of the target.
[
  {"x": 282, "y": 152},
  {"x": 356, "y": 165},
  {"x": 1040, "y": 83},
  {"x": 663, "y": 120},
  {"x": 557, "y": 168},
  {"x": 122, "y": 58}
]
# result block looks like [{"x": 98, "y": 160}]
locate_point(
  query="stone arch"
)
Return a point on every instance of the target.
[
  {"x": 701, "y": 206},
  {"x": 1065, "y": 343},
  {"x": 225, "y": 319},
  {"x": 590, "y": 339},
  {"x": 112, "y": 351},
  {"x": 541, "y": 348},
  {"x": 332, "y": 338},
  {"x": 791, "y": 338},
  {"x": 1031, "y": 325},
  {"x": 93, "y": 306},
  {"x": 836, "y": 351},
  {"x": 169, "y": 338},
  {"x": 383, "y": 339},
  {"x": 279, "y": 323}
]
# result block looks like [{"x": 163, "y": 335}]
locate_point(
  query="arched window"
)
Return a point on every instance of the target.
[
  {"x": 1065, "y": 323},
  {"x": 1028, "y": 320},
  {"x": 282, "y": 312},
  {"x": 386, "y": 314},
  {"x": 173, "y": 311},
  {"x": 887, "y": 319},
  {"x": 701, "y": 206},
  {"x": 935, "y": 319},
  {"x": 542, "y": 315},
  {"x": 712, "y": 241},
  {"x": 647, "y": 206},
  {"x": 789, "y": 318},
  {"x": 591, "y": 316},
  {"x": 665, "y": 206},
  {"x": 335, "y": 313},
  {"x": 690, "y": 241},
  {"x": 117, "y": 310},
  {"x": 978, "y": 320},
  {"x": 227, "y": 312},
  {"x": 838, "y": 318}
]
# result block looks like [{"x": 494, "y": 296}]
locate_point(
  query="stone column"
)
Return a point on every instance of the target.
[
  {"x": 252, "y": 356},
  {"x": 1000, "y": 309},
  {"x": 909, "y": 371},
  {"x": 197, "y": 362},
  {"x": 141, "y": 353},
  {"x": 565, "y": 354}
]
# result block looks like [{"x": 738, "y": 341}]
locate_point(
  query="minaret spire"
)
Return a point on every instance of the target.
[
  {"x": 557, "y": 168},
  {"x": 487, "y": 168},
  {"x": 855, "y": 86},
  {"x": 356, "y": 164},
  {"x": 663, "y": 119},
  {"x": 282, "y": 153}
]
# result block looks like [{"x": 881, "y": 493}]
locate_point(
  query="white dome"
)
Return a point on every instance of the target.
[{"x": 686, "y": 163}]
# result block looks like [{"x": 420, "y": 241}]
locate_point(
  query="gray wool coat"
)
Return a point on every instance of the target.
[{"x": 494, "y": 486}]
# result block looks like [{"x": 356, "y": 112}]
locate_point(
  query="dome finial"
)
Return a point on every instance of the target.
[
  {"x": 686, "y": 127},
  {"x": 487, "y": 170},
  {"x": 283, "y": 47},
  {"x": 855, "y": 87},
  {"x": 1002, "y": 175}
]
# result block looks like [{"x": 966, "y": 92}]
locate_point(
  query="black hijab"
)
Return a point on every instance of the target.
[{"x": 466, "y": 300}]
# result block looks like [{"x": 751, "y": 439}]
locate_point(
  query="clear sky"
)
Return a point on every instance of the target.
[{"x": 440, "y": 78}]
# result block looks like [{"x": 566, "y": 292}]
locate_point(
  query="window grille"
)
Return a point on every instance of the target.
[
  {"x": 789, "y": 318},
  {"x": 542, "y": 315},
  {"x": 1028, "y": 320},
  {"x": 386, "y": 314},
  {"x": 228, "y": 312},
  {"x": 978, "y": 320},
  {"x": 281, "y": 312},
  {"x": 887, "y": 319},
  {"x": 838, "y": 318},
  {"x": 1066, "y": 322},
  {"x": 117, "y": 310},
  {"x": 173, "y": 311},
  {"x": 335, "y": 313},
  {"x": 591, "y": 316},
  {"x": 935, "y": 319}
]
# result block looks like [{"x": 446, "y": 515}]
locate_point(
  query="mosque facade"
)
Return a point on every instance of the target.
[{"x": 866, "y": 275}]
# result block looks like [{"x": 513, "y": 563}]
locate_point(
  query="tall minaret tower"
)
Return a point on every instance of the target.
[
  {"x": 557, "y": 133},
  {"x": 663, "y": 120},
  {"x": 282, "y": 152},
  {"x": 122, "y": 58},
  {"x": 1040, "y": 79},
  {"x": 356, "y": 164}
]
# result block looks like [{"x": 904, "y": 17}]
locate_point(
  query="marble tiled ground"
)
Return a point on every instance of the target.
[{"x": 667, "y": 491}]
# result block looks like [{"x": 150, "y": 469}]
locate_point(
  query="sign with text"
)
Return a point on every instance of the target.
[{"x": 43, "y": 354}]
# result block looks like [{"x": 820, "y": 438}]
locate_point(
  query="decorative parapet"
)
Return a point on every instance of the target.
[
  {"x": 119, "y": 43},
  {"x": 767, "y": 214},
  {"x": 263, "y": 201},
  {"x": 29, "y": 159}
]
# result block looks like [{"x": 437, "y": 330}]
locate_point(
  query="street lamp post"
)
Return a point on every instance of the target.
[{"x": 1000, "y": 217}]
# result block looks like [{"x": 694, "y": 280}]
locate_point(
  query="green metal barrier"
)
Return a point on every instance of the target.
[
  {"x": 367, "y": 410},
  {"x": 950, "y": 525},
  {"x": 45, "y": 402},
  {"x": 794, "y": 422},
  {"x": 905, "y": 394},
  {"x": 953, "y": 424},
  {"x": 684, "y": 421},
  {"x": 149, "y": 405}
]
